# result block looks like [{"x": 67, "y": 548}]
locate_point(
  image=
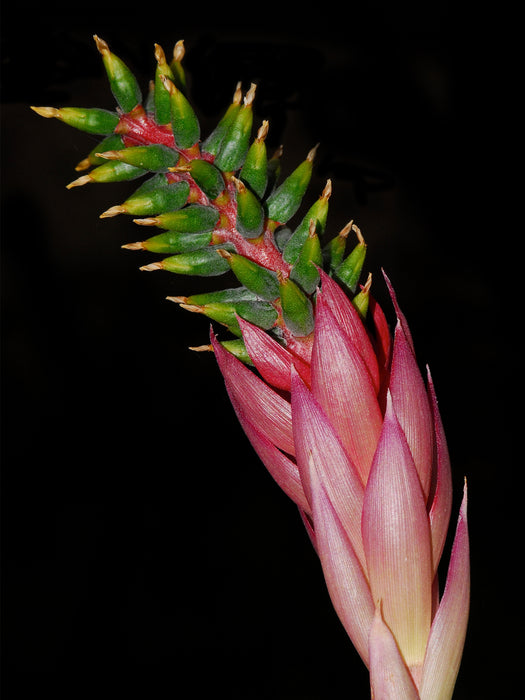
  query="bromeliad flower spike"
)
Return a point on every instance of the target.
[{"x": 333, "y": 403}]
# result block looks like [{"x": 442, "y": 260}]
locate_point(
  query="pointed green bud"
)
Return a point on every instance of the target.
[
  {"x": 297, "y": 308},
  {"x": 111, "y": 171},
  {"x": 234, "y": 145},
  {"x": 350, "y": 269},
  {"x": 232, "y": 295},
  {"x": 206, "y": 176},
  {"x": 250, "y": 212},
  {"x": 184, "y": 122},
  {"x": 156, "y": 158},
  {"x": 260, "y": 280},
  {"x": 123, "y": 83},
  {"x": 155, "y": 196},
  {"x": 362, "y": 298},
  {"x": 334, "y": 250},
  {"x": 200, "y": 263},
  {"x": 161, "y": 96},
  {"x": 260, "y": 313},
  {"x": 317, "y": 212},
  {"x": 235, "y": 346},
  {"x": 254, "y": 172},
  {"x": 110, "y": 143},
  {"x": 91, "y": 120},
  {"x": 212, "y": 143},
  {"x": 193, "y": 218},
  {"x": 172, "y": 242},
  {"x": 304, "y": 270},
  {"x": 286, "y": 199},
  {"x": 179, "y": 76}
]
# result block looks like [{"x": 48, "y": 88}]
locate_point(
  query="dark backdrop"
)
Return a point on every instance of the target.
[{"x": 146, "y": 552}]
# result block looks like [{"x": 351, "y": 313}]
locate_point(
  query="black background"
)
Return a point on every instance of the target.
[{"x": 146, "y": 552}]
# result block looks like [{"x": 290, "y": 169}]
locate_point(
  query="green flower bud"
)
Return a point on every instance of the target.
[
  {"x": 201, "y": 263},
  {"x": 212, "y": 143},
  {"x": 171, "y": 242},
  {"x": 110, "y": 143},
  {"x": 222, "y": 296},
  {"x": 259, "y": 313},
  {"x": 304, "y": 270},
  {"x": 161, "y": 96},
  {"x": 157, "y": 158},
  {"x": 111, "y": 171},
  {"x": 123, "y": 83},
  {"x": 206, "y": 176},
  {"x": 179, "y": 77},
  {"x": 91, "y": 120},
  {"x": 317, "y": 212},
  {"x": 254, "y": 172},
  {"x": 334, "y": 250},
  {"x": 193, "y": 218},
  {"x": 184, "y": 122},
  {"x": 155, "y": 196},
  {"x": 297, "y": 308},
  {"x": 260, "y": 280},
  {"x": 234, "y": 145},
  {"x": 350, "y": 269},
  {"x": 250, "y": 212},
  {"x": 286, "y": 199},
  {"x": 362, "y": 298}
]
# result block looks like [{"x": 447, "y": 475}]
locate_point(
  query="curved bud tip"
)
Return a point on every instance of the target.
[
  {"x": 263, "y": 131},
  {"x": 311, "y": 154},
  {"x": 80, "y": 181},
  {"x": 179, "y": 50},
  {"x": 134, "y": 246},
  {"x": 47, "y": 112},
  {"x": 160, "y": 56},
  {"x": 177, "y": 300},
  {"x": 326, "y": 193},
  {"x": 102, "y": 46},
  {"x": 250, "y": 95},
  {"x": 152, "y": 267},
  {"x": 113, "y": 211}
]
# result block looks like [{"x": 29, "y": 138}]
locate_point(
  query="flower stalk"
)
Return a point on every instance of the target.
[{"x": 332, "y": 401}]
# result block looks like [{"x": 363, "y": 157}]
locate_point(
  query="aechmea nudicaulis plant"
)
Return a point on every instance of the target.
[{"x": 334, "y": 404}]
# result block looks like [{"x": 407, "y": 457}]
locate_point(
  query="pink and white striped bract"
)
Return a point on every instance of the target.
[{"x": 354, "y": 437}]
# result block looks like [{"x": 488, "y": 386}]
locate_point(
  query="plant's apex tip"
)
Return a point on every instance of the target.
[
  {"x": 151, "y": 267},
  {"x": 133, "y": 246},
  {"x": 160, "y": 56},
  {"x": 250, "y": 95},
  {"x": 358, "y": 233},
  {"x": 150, "y": 221},
  {"x": 102, "y": 46},
  {"x": 47, "y": 112},
  {"x": 83, "y": 165},
  {"x": 109, "y": 155},
  {"x": 368, "y": 284},
  {"x": 179, "y": 50},
  {"x": 237, "y": 95},
  {"x": 311, "y": 154},
  {"x": 201, "y": 348},
  {"x": 263, "y": 130},
  {"x": 194, "y": 308},
  {"x": 79, "y": 182},
  {"x": 177, "y": 300},
  {"x": 113, "y": 211},
  {"x": 327, "y": 192}
]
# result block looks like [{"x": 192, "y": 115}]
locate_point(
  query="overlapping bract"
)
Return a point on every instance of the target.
[{"x": 358, "y": 444}]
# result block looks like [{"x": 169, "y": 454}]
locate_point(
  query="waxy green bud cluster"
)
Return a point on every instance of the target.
[{"x": 219, "y": 202}]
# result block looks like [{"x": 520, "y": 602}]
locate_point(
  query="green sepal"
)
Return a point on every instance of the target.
[
  {"x": 250, "y": 212},
  {"x": 184, "y": 122},
  {"x": 115, "y": 171},
  {"x": 193, "y": 218},
  {"x": 201, "y": 263},
  {"x": 123, "y": 83},
  {"x": 112, "y": 142},
  {"x": 254, "y": 172},
  {"x": 231, "y": 295},
  {"x": 260, "y": 313},
  {"x": 238, "y": 349},
  {"x": 207, "y": 177},
  {"x": 157, "y": 196},
  {"x": 156, "y": 158},
  {"x": 89, "y": 119},
  {"x": 179, "y": 76},
  {"x": 172, "y": 242},
  {"x": 334, "y": 250},
  {"x": 161, "y": 96},
  {"x": 212, "y": 142},
  {"x": 286, "y": 199},
  {"x": 317, "y": 212},
  {"x": 260, "y": 280},
  {"x": 350, "y": 269},
  {"x": 234, "y": 145},
  {"x": 297, "y": 308},
  {"x": 361, "y": 302},
  {"x": 305, "y": 269}
]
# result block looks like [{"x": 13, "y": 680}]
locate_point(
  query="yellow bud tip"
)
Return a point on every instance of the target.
[
  {"x": 170, "y": 87},
  {"x": 343, "y": 233},
  {"x": 160, "y": 56},
  {"x": 146, "y": 222},
  {"x": 80, "y": 181},
  {"x": 151, "y": 267},
  {"x": 193, "y": 308},
  {"x": 47, "y": 112},
  {"x": 83, "y": 165},
  {"x": 113, "y": 211},
  {"x": 325, "y": 194},
  {"x": 250, "y": 95},
  {"x": 239, "y": 184},
  {"x": 263, "y": 131},
  {"x": 179, "y": 51},
  {"x": 134, "y": 246},
  {"x": 102, "y": 46},
  {"x": 237, "y": 95},
  {"x": 312, "y": 228},
  {"x": 358, "y": 233},
  {"x": 224, "y": 253},
  {"x": 201, "y": 348},
  {"x": 109, "y": 155},
  {"x": 366, "y": 287},
  {"x": 177, "y": 300},
  {"x": 311, "y": 154}
]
